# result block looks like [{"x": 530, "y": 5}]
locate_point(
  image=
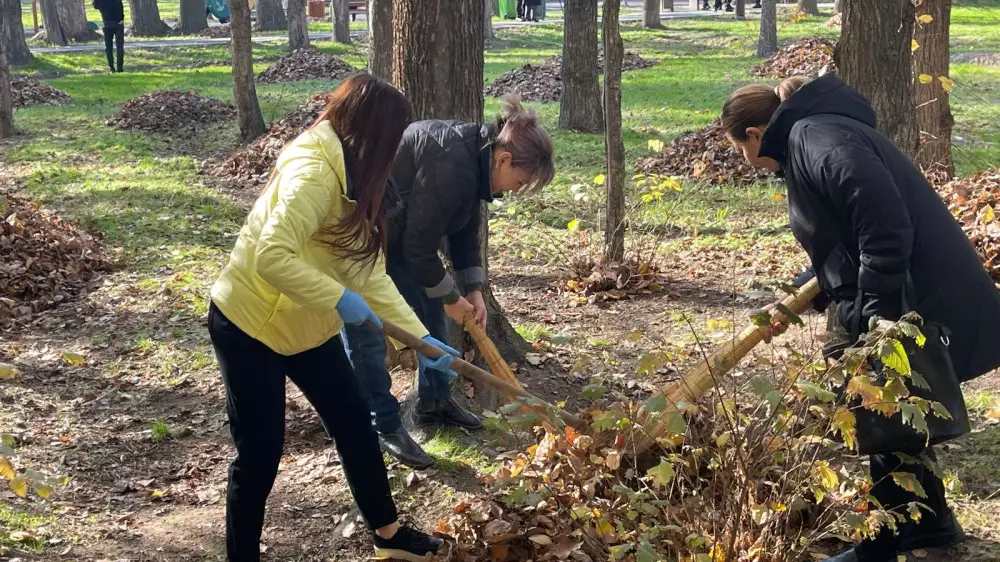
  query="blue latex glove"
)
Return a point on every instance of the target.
[
  {"x": 355, "y": 311},
  {"x": 442, "y": 363}
]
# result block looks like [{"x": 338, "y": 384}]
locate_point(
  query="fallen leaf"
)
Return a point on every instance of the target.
[
  {"x": 541, "y": 540},
  {"x": 8, "y": 372},
  {"x": 73, "y": 358}
]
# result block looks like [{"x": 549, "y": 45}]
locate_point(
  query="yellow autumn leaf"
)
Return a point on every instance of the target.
[
  {"x": 158, "y": 493},
  {"x": 777, "y": 197},
  {"x": 599, "y": 179},
  {"x": 656, "y": 145},
  {"x": 925, "y": 78},
  {"x": 8, "y": 372},
  {"x": 20, "y": 486},
  {"x": 862, "y": 386},
  {"x": 6, "y": 469},
  {"x": 43, "y": 491},
  {"x": 914, "y": 45},
  {"x": 73, "y": 358},
  {"x": 826, "y": 476},
  {"x": 947, "y": 84},
  {"x": 926, "y": 18},
  {"x": 988, "y": 214},
  {"x": 573, "y": 224}
]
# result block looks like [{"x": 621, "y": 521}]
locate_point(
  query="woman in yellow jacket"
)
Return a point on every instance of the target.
[{"x": 309, "y": 259}]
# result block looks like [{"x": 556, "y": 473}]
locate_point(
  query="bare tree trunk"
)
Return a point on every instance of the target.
[
  {"x": 488, "y": 20},
  {"x": 933, "y": 61},
  {"x": 298, "y": 25},
  {"x": 146, "y": 20},
  {"x": 580, "y": 106},
  {"x": 65, "y": 21},
  {"x": 809, "y": 6},
  {"x": 651, "y": 14},
  {"x": 54, "y": 33},
  {"x": 380, "y": 39},
  {"x": 6, "y": 98},
  {"x": 614, "y": 52},
  {"x": 437, "y": 62},
  {"x": 244, "y": 92},
  {"x": 767, "y": 45},
  {"x": 741, "y": 9},
  {"x": 875, "y": 57},
  {"x": 838, "y": 6},
  {"x": 193, "y": 17},
  {"x": 341, "y": 12},
  {"x": 270, "y": 16},
  {"x": 12, "y": 33}
]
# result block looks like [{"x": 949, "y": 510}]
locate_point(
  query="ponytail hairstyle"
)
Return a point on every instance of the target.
[
  {"x": 754, "y": 105},
  {"x": 530, "y": 146},
  {"x": 369, "y": 116}
]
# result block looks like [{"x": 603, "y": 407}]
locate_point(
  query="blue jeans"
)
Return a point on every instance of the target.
[{"x": 366, "y": 350}]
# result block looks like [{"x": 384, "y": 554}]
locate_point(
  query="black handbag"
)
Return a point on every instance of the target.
[{"x": 877, "y": 433}]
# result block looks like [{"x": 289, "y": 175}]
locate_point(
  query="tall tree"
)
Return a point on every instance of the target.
[
  {"x": 437, "y": 62},
  {"x": 6, "y": 98},
  {"x": 245, "y": 93},
  {"x": 341, "y": 11},
  {"x": 270, "y": 16},
  {"x": 838, "y": 6},
  {"x": 12, "y": 33},
  {"x": 65, "y": 21},
  {"x": 767, "y": 44},
  {"x": 488, "y": 15},
  {"x": 809, "y": 6},
  {"x": 580, "y": 106},
  {"x": 380, "y": 39},
  {"x": 875, "y": 57},
  {"x": 741, "y": 9},
  {"x": 933, "y": 66},
  {"x": 193, "y": 17},
  {"x": 651, "y": 14},
  {"x": 614, "y": 53},
  {"x": 146, "y": 20},
  {"x": 298, "y": 25}
]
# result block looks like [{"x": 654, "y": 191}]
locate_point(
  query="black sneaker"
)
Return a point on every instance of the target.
[
  {"x": 407, "y": 544},
  {"x": 404, "y": 449},
  {"x": 446, "y": 412}
]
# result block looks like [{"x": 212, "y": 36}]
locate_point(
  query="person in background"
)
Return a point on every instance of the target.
[
  {"x": 308, "y": 260},
  {"x": 531, "y": 9},
  {"x": 871, "y": 225},
  {"x": 443, "y": 172},
  {"x": 113, "y": 16}
]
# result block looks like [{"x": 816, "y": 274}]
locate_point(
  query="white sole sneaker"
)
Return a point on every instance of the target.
[{"x": 393, "y": 554}]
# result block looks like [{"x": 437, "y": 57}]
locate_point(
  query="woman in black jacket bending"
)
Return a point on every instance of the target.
[
  {"x": 870, "y": 222},
  {"x": 443, "y": 172}
]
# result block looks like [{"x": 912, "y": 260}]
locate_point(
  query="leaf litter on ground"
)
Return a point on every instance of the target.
[
  {"x": 171, "y": 110},
  {"x": 543, "y": 82},
  {"x": 306, "y": 64},
  {"x": 31, "y": 91}
]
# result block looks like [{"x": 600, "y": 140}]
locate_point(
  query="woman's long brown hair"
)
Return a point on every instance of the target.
[{"x": 369, "y": 116}]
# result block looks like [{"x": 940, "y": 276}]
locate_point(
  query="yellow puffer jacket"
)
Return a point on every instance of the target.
[{"x": 281, "y": 286}]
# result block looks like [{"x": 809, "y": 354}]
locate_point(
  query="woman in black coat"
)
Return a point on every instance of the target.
[{"x": 869, "y": 221}]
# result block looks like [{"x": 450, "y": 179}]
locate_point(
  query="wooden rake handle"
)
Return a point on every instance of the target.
[
  {"x": 472, "y": 372},
  {"x": 490, "y": 352}
]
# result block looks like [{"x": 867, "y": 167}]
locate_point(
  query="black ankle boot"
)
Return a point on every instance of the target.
[
  {"x": 932, "y": 532},
  {"x": 446, "y": 412},
  {"x": 404, "y": 449}
]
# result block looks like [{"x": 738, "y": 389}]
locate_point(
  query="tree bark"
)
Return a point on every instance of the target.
[
  {"x": 741, "y": 9},
  {"x": 580, "y": 106},
  {"x": 809, "y": 7},
  {"x": 767, "y": 44},
  {"x": 244, "y": 92},
  {"x": 6, "y": 97},
  {"x": 341, "y": 12},
  {"x": 488, "y": 20},
  {"x": 270, "y": 16},
  {"x": 934, "y": 119},
  {"x": 651, "y": 14},
  {"x": 614, "y": 52},
  {"x": 65, "y": 21},
  {"x": 298, "y": 25},
  {"x": 146, "y": 20},
  {"x": 193, "y": 17},
  {"x": 875, "y": 58},
  {"x": 838, "y": 6},
  {"x": 12, "y": 33},
  {"x": 380, "y": 39}
]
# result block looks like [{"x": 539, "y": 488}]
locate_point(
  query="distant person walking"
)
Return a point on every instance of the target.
[{"x": 113, "y": 15}]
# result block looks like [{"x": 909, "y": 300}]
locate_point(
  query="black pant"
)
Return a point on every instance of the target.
[
  {"x": 254, "y": 377},
  {"x": 114, "y": 32},
  {"x": 892, "y": 497}
]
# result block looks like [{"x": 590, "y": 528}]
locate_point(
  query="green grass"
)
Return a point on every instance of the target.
[
  {"x": 534, "y": 332},
  {"x": 18, "y": 528},
  {"x": 453, "y": 453},
  {"x": 160, "y": 430}
]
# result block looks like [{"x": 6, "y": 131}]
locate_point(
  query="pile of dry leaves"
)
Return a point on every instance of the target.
[
  {"x": 169, "y": 110},
  {"x": 974, "y": 201},
  {"x": 704, "y": 155},
  {"x": 543, "y": 82},
  {"x": 44, "y": 260},
  {"x": 252, "y": 164},
  {"x": 29, "y": 91},
  {"x": 597, "y": 280},
  {"x": 216, "y": 31},
  {"x": 306, "y": 64},
  {"x": 805, "y": 57}
]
